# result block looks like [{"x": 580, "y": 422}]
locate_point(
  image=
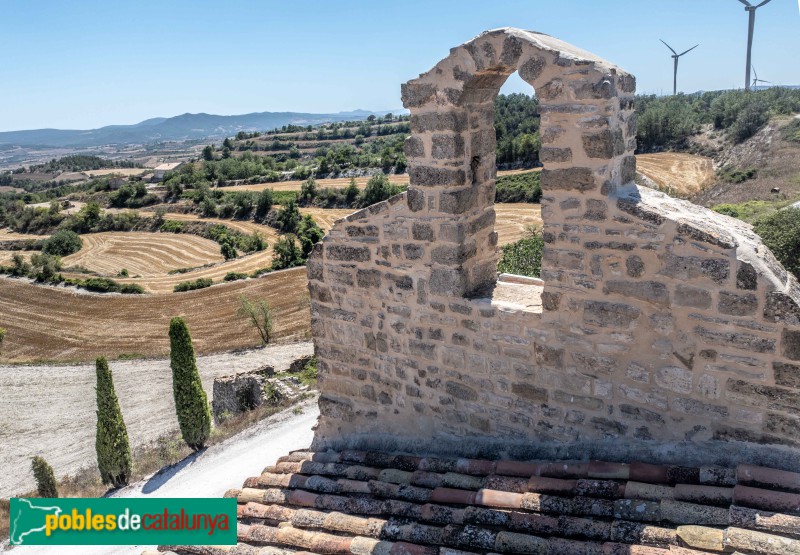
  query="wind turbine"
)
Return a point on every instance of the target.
[
  {"x": 756, "y": 80},
  {"x": 675, "y": 57},
  {"x": 751, "y": 10}
]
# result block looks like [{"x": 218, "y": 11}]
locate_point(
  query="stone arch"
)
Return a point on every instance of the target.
[{"x": 588, "y": 138}]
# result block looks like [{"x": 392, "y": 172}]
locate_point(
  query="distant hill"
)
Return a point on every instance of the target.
[{"x": 179, "y": 128}]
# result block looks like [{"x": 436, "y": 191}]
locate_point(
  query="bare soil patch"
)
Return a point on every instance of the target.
[{"x": 677, "y": 173}]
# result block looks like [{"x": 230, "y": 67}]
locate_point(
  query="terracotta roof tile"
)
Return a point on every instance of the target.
[
  {"x": 368, "y": 503},
  {"x": 768, "y": 477}
]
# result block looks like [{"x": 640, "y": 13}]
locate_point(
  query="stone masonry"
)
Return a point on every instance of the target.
[{"x": 663, "y": 325}]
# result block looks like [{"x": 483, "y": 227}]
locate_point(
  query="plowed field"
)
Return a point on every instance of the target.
[
  {"x": 61, "y": 324},
  {"x": 514, "y": 219}
]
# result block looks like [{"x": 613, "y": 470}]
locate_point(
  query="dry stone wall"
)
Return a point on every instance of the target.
[{"x": 663, "y": 324}]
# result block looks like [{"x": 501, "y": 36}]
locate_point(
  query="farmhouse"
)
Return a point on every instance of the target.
[
  {"x": 160, "y": 170},
  {"x": 642, "y": 398}
]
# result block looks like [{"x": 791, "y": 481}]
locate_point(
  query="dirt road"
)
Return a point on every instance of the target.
[
  {"x": 50, "y": 410},
  {"x": 212, "y": 472}
]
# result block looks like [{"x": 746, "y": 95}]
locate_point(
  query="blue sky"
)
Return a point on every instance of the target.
[{"x": 88, "y": 63}]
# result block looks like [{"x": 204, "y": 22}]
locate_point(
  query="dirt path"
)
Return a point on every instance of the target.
[
  {"x": 50, "y": 410},
  {"x": 212, "y": 472}
]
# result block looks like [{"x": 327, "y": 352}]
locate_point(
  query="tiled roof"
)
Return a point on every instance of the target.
[{"x": 365, "y": 503}]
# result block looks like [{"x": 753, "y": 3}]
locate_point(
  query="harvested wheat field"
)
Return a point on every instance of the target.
[
  {"x": 676, "y": 173},
  {"x": 514, "y": 219},
  {"x": 143, "y": 254},
  {"x": 326, "y": 217},
  {"x": 61, "y": 324},
  {"x": 8, "y": 235},
  {"x": 165, "y": 283},
  {"x": 269, "y": 233}
]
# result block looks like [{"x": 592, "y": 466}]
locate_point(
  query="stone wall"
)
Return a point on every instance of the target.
[{"x": 661, "y": 323}]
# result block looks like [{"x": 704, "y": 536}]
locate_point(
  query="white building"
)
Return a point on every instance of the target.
[{"x": 161, "y": 169}]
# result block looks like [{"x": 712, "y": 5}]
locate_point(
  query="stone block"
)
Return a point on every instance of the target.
[
  {"x": 603, "y": 144},
  {"x": 553, "y": 154},
  {"x": 695, "y": 297},
  {"x": 430, "y": 176},
  {"x": 571, "y": 179},
  {"x": 737, "y": 304},
  {"x": 651, "y": 291},
  {"x": 447, "y": 146},
  {"x": 606, "y": 314}
]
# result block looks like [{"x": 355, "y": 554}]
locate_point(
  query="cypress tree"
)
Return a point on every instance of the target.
[
  {"x": 45, "y": 479},
  {"x": 191, "y": 403},
  {"x": 113, "y": 449}
]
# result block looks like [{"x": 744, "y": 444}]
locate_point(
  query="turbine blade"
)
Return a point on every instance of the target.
[
  {"x": 754, "y": 71},
  {"x": 692, "y": 48},
  {"x": 762, "y": 3},
  {"x": 668, "y": 46},
  {"x": 746, "y": 3}
]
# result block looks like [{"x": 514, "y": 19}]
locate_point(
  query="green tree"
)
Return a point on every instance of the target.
[
  {"x": 111, "y": 442},
  {"x": 289, "y": 217},
  {"x": 264, "y": 204},
  {"x": 308, "y": 192},
  {"x": 378, "y": 189},
  {"x": 228, "y": 249},
  {"x": 351, "y": 192},
  {"x": 259, "y": 314},
  {"x": 62, "y": 243},
  {"x": 208, "y": 153},
  {"x": 45, "y": 479},
  {"x": 191, "y": 403},
  {"x": 3, "y": 332},
  {"x": 309, "y": 234},
  {"x": 286, "y": 254}
]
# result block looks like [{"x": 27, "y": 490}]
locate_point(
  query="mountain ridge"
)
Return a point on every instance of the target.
[{"x": 183, "y": 127}]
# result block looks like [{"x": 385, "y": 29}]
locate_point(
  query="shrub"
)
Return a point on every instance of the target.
[
  {"x": 62, "y": 243},
  {"x": 199, "y": 283},
  {"x": 734, "y": 175},
  {"x": 100, "y": 285},
  {"x": 46, "y": 268},
  {"x": 45, "y": 479},
  {"x": 131, "y": 289},
  {"x": 3, "y": 332},
  {"x": 781, "y": 233},
  {"x": 792, "y": 131},
  {"x": 523, "y": 187},
  {"x": 172, "y": 226},
  {"x": 523, "y": 257},
  {"x": 191, "y": 403},
  {"x": 728, "y": 209},
  {"x": 227, "y": 249},
  {"x": 111, "y": 442},
  {"x": 233, "y": 276},
  {"x": 259, "y": 314}
]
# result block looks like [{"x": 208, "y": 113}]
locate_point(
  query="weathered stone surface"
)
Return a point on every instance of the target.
[
  {"x": 651, "y": 291},
  {"x": 686, "y": 295},
  {"x": 605, "y": 314},
  {"x": 648, "y": 326},
  {"x": 736, "y": 304},
  {"x": 577, "y": 179}
]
